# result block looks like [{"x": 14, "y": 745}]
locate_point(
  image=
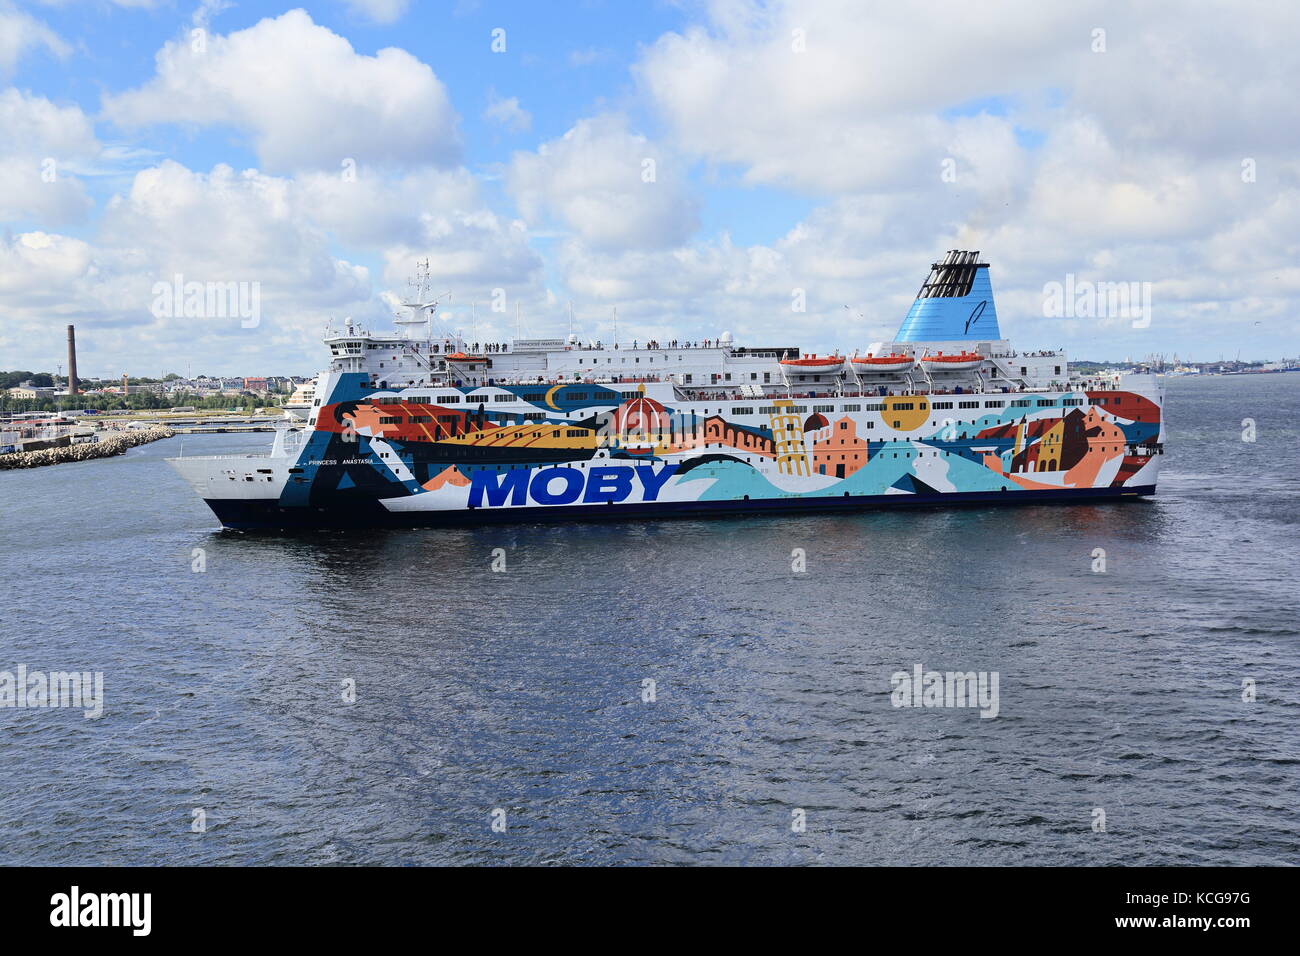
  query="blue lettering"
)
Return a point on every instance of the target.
[
  {"x": 541, "y": 491},
  {"x": 651, "y": 482},
  {"x": 604, "y": 484},
  {"x": 513, "y": 483},
  {"x": 608, "y": 484}
]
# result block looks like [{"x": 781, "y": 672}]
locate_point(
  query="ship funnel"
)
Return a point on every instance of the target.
[{"x": 954, "y": 304}]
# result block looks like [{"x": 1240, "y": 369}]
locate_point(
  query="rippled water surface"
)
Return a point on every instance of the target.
[{"x": 523, "y": 690}]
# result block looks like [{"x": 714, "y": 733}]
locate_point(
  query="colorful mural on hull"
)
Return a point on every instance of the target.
[{"x": 585, "y": 444}]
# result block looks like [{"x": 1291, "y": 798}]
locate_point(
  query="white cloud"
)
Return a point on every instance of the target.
[
  {"x": 588, "y": 56},
  {"x": 380, "y": 11},
  {"x": 20, "y": 32},
  {"x": 853, "y": 107},
  {"x": 613, "y": 188},
  {"x": 865, "y": 104},
  {"x": 227, "y": 225},
  {"x": 217, "y": 227},
  {"x": 207, "y": 9},
  {"x": 247, "y": 226},
  {"x": 507, "y": 113},
  {"x": 41, "y": 144},
  {"x": 376, "y": 210},
  {"x": 471, "y": 253},
  {"x": 434, "y": 214},
  {"x": 305, "y": 96}
]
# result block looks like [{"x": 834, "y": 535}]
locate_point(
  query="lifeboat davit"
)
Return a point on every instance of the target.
[
  {"x": 961, "y": 362},
  {"x": 884, "y": 363},
  {"x": 814, "y": 364}
]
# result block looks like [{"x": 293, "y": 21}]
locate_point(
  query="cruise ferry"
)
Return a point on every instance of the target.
[{"x": 419, "y": 427}]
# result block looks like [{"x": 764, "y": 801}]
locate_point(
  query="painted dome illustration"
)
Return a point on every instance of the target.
[
  {"x": 641, "y": 424},
  {"x": 641, "y": 418}
]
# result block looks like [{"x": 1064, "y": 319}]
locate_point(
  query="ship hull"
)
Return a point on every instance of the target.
[
  {"x": 472, "y": 456},
  {"x": 266, "y": 515}
]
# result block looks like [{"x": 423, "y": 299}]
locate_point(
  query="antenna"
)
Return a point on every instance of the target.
[
  {"x": 422, "y": 307},
  {"x": 616, "y": 326}
]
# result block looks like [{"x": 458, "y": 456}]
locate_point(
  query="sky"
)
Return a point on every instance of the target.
[{"x": 784, "y": 171}]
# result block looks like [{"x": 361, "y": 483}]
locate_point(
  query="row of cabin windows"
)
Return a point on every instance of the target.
[
  {"x": 689, "y": 379},
  {"x": 422, "y": 400},
  {"x": 458, "y": 399},
  {"x": 768, "y": 409}
]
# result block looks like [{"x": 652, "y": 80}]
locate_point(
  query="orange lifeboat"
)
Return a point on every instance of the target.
[
  {"x": 884, "y": 363},
  {"x": 961, "y": 362},
  {"x": 464, "y": 358},
  {"x": 818, "y": 366}
]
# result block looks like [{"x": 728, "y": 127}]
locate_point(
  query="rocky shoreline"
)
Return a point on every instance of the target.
[{"x": 106, "y": 447}]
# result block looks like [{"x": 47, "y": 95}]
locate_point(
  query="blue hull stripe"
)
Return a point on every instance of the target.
[{"x": 268, "y": 515}]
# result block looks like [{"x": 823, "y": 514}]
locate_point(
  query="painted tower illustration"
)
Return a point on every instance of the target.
[{"x": 787, "y": 438}]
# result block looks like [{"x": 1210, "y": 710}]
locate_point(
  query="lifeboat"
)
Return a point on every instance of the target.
[
  {"x": 464, "y": 358},
  {"x": 961, "y": 362},
  {"x": 884, "y": 363},
  {"x": 814, "y": 364}
]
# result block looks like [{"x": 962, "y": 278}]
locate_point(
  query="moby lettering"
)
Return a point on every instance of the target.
[{"x": 606, "y": 484}]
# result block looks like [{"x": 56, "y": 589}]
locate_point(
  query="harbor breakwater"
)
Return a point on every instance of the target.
[{"x": 107, "y": 446}]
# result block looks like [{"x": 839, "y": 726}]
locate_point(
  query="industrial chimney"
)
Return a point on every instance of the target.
[{"x": 72, "y": 360}]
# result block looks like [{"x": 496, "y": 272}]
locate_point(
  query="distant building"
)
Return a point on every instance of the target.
[
  {"x": 31, "y": 392},
  {"x": 255, "y": 385}
]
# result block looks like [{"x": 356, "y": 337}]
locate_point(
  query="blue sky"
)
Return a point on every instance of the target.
[{"x": 798, "y": 147}]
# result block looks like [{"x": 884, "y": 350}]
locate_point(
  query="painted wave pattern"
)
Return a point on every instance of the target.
[{"x": 585, "y": 444}]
